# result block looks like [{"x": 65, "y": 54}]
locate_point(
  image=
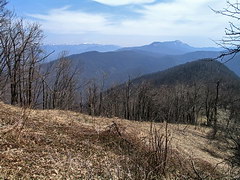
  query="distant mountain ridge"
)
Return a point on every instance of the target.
[
  {"x": 117, "y": 66},
  {"x": 169, "y": 48},
  {"x": 154, "y": 49},
  {"x": 75, "y": 49}
]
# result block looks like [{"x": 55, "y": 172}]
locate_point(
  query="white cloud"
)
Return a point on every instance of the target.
[
  {"x": 179, "y": 18},
  {"x": 123, "y": 2},
  {"x": 64, "y": 21},
  {"x": 182, "y": 19}
]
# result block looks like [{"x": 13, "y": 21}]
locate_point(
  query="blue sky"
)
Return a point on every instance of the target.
[{"x": 125, "y": 22}]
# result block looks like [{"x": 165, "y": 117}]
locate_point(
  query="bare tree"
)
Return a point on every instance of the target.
[
  {"x": 5, "y": 15},
  {"x": 21, "y": 48},
  {"x": 20, "y": 51},
  {"x": 63, "y": 91},
  {"x": 231, "y": 41}
]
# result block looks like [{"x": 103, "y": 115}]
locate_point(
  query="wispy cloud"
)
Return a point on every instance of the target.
[
  {"x": 180, "y": 19},
  {"x": 123, "y": 2},
  {"x": 64, "y": 21}
]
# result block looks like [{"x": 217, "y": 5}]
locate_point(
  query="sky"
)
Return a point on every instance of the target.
[{"x": 125, "y": 22}]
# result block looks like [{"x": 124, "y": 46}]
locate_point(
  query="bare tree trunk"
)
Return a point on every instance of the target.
[{"x": 216, "y": 110}]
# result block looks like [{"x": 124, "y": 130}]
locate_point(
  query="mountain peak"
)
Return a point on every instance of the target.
[{"x": 178, "y": 42}]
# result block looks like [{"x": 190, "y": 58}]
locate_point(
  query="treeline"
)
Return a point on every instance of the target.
[{"x": 176, "y": 103}]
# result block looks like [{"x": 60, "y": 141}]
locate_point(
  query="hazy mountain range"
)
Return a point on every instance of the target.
[
  {"x": 169, "y": 48},
  {"x": 55, "y": 50},
  {"x": 118, "y": 64}
]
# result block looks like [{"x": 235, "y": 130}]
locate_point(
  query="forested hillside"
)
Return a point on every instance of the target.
[
  {"x": 202, "y": 71},
  {"x": 180, "y": 94}
]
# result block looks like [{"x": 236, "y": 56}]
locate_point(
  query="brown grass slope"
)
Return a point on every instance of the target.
[{"x": 54, "y": 144}]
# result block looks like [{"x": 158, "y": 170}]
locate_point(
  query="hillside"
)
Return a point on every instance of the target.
[
  {"x": 116, "y": 66},
  {"x": 201, "y": 71},
  {"x": 54, "y": 144}
]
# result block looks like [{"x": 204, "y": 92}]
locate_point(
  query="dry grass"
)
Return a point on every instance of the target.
[
  {"x": 51, "y": 146},
  {"x": 54, "y": 144}
]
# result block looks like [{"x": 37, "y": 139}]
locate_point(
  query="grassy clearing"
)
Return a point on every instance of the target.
[{"x": 53, "y": 144}]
